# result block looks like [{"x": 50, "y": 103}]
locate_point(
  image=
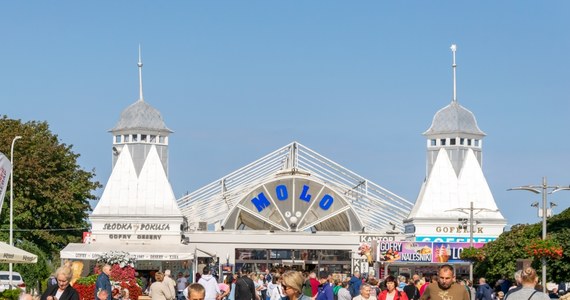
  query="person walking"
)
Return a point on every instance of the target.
[
  {"x": 446, "y": 287},
  {"x": 62, "y": 290},
  {"x": 484, "y": 291},
  {"x": 354, "y": 284},
  {"x": 210, "y": 285},
  {"x": 160, "y": 290},
  {"x": 104, "y": 282},
  {"x": 245, "y": 288},
  {"x": 325, "y": 289},
  {"x": 529, "y": 279},
  {"x": 292, "y": 284},
  {"x": 391, "y": 292},
  {"x": 411, "y": 290},
  {"x": 343, "y": 292},
  {"x": 170, "y": 283}
]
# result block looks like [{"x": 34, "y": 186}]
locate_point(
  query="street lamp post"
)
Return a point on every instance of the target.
[
  {"x": 544, "y": 190},
  {"x": 12, "y": 200},
  {"x": 471, "y": 212}
]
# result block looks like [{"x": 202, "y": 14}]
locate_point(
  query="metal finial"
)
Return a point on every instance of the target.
[
  {"x": 454, "y": 66},
  {"x": 139, "y": 64}
]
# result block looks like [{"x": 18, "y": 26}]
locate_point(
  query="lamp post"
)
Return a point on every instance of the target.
[
  {"x": 543, "y": 189},
  {"x": 471, "y": 211},
  {"x": 12, "y": 200}
]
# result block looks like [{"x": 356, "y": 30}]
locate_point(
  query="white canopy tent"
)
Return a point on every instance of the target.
[
  {"x": 11, "y": 254},
  {"x": 162, "y": 252}
]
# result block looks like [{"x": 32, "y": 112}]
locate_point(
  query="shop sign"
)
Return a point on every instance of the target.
[
  {"x": 404, "y": 252},
  {"x": 421, "y": 251},
  {"x": 136, "y": 226},
  {"x": 370, "y": 238},
  {"x": 450, "y": 252},
  {"x": 135, "y": 236},
  {"x": 457, "y": 229},
  {"x": 281, "y": 193},
  {"x": 454, "y": 239}
]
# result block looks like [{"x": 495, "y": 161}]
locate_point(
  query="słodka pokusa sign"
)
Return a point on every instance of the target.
[{"x": 394, "y": 251}]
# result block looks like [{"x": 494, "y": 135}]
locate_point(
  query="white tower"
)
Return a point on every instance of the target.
[
  {"x": 138, "y": 205},
  {"x": 454, "y": 179}
]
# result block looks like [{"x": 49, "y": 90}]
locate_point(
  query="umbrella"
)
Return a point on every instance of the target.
[{"x": 11, "y": 254}]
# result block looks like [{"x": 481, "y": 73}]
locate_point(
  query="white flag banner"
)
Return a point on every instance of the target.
[{"x": 5, "y": 170}]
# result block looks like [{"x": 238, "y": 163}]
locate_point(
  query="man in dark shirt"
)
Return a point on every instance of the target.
[
  {"x": 411, "y": 290},
  {"x": 245, "y": 288}
]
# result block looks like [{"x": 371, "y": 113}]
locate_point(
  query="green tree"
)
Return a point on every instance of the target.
[
  {"x": 51, "y": 191},
  {"x": 501, "y": 254}
]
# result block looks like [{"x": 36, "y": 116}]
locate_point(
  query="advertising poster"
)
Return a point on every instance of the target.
[
  {"x": 405, "y": 252},
  {"x": 450, "y": 252}
]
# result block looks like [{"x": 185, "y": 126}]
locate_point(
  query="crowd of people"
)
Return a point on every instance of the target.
[{"x": 294, "y": 285}]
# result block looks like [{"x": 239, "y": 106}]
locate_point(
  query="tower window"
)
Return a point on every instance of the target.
[
  {"x": 126, "y": 138},
  {"x": 135, "y": 138},
  {"x": 118, "y": 139},
  {"x": 153, "y": 138},
  {"x": 469, "y": 142},
  {"x": 433, "y": 142},
  {"x": 143, "y": 137},
  {"x": 461, "y": 141},
  {"x": 161, "y": 139},
  {"x": 476, "y": 143},
  {"x": 442, "y": 142},
  {"x": 452, "y": 142}
]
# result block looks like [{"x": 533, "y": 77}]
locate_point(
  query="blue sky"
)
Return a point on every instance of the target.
[{"x": 357, "y": 81}]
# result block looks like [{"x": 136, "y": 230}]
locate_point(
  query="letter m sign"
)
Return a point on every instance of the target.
[{"x": 260, "y": 202}]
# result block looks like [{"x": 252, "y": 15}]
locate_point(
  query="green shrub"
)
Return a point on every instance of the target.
[{"x": 10, "y": 294}]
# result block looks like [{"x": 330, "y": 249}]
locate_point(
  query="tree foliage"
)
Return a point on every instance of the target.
[
  {"x": 501, "y": 255},
  {"x": 51, "y": 191}
]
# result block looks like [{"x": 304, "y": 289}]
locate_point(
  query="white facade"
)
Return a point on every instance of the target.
[{"x": 137, "y": 211}]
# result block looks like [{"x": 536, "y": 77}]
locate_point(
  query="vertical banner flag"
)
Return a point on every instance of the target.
[{"x": 5, "y": 170}]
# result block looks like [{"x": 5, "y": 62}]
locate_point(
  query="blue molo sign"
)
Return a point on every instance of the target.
[{"x": 282, "y": 192}]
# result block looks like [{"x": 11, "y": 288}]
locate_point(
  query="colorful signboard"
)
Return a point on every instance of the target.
[
  {"x": 426, "y": 252},
  {"x": 450, "y": 252}
]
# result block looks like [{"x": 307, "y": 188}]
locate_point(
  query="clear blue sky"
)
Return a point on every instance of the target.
[{"x": 357, "y": 81}]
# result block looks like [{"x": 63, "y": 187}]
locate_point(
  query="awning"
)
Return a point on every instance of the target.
[
  {"x": 151, "y": 252},
  {"x": 11, "y": 254}
]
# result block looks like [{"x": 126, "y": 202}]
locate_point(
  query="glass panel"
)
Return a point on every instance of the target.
[
  {"x": 442, "y": 142},
  {"x": 284, "y": 254},
  {"x": 118, "y": 139},
  {"x": 135, "y": 137},
  {"x": 153, "y": 138},
  {"x": 143, "y": 137},
  {"x": 452, "y": 141},
  {"x": 251, "y": 254},
  {"x": 126, "y": 138}
]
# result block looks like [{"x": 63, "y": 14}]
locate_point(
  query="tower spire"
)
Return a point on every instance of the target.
[
  {"x": 454, "y": 66},
  {"x": 140, "y": 75}
]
